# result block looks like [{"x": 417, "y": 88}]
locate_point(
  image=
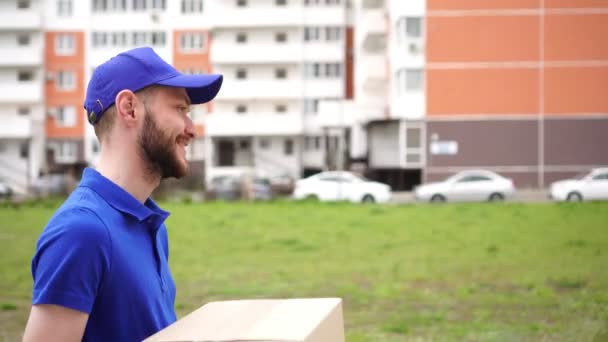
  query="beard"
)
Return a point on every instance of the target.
[{"x": 158, "y": 151}]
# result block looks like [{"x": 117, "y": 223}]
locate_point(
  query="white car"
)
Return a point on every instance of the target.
[
  {"x": 341, "y": 186},
  {"x": 5, "y": 190},
  {"x": 587, "y": 186},
  {"x": 470, "y": 185}
]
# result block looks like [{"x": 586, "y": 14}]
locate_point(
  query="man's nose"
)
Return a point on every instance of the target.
[{"x": 190, "y": 128}]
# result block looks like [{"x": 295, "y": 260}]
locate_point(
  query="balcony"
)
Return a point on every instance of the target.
[
  {"x": 230, "y": 53},
  {"x": 280, "y": 89},
  {"x": 21, "y": 20},
  {"x": 21, "y": 92},
  {"x": 21, "y": 56},
  {"x": 341, "y": 114},
  {"x": 373, "y": 71},
  {"x": 288, "y": 16},
  {"x": 373, "y": 30},
  {"x": 253, "y": 124},
  {"x": 15, "y": 127}
]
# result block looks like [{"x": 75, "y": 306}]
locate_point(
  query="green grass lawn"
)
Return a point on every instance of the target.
[{"x": 477, "y": 272}]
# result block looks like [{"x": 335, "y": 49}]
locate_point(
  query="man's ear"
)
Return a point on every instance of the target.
[{"x": 125, "y": 103}]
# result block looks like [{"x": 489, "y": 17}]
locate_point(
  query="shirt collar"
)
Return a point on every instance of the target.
[{"x": 119, "y": 198}]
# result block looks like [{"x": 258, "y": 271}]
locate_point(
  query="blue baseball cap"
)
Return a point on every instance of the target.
[{"x": 139, "y": 68}]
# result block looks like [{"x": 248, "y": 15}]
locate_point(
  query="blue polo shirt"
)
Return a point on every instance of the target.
[{"x": 106, "y": 254}]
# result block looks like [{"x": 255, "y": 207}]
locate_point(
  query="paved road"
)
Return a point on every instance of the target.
[{"x": 523, "y": 196}]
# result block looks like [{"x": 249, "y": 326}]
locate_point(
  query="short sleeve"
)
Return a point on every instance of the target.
[{"x": 72, "y": 256}]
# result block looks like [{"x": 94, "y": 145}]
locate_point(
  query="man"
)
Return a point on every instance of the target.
[{"x": 101, "y": 264}]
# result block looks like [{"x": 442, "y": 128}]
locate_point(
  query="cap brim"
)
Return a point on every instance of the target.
[{"x": 200, "y": 88}]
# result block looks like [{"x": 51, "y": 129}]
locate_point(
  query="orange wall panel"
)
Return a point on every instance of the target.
[
  {"x": 576, "y": 90},
  {"x": 482, "y": 91},
  {"x": 481, "y": 4},
  {"x": 55, "y": 97},
  {"x": 576, "y": 37},
  {"x": 576, "y": 3},
  {"x": 483, "y": 38},
  {"x": 184, "y": 60}
]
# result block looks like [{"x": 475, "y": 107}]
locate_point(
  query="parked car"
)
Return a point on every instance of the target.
[
  {"x": 5, "y": 190},
  {"x": 470, "y": 185},
  {"x": 341, "y": 186},
  {"x": 231, "y": 188},
  {"x": 591, "y": 185}
]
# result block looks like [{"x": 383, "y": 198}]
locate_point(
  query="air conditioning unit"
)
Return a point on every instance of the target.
[
  {"x": 155, "y": 17},
  {"x": 415, "y": 48}
]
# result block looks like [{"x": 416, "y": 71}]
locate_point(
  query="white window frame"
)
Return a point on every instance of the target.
[
  {"x": 65, "y": 116},
  {"x": 66, "y": 80},
  {"x": 405, "y": 81},
  {"x": 65, "y": 8},
  {"x": 191, "y": 6},
  {"x": 65, "y": 44},
  {"x": 193, "y": 42}
]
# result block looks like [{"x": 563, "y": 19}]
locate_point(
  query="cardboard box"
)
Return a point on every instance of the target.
[{"x": 262, "y": 320}]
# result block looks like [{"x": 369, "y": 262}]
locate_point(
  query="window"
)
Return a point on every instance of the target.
[
  {"x": 66, "y": 116},
  {"x": 66, "y": 80},
  {"x": 241, "y": 109},
  {"x": 64, "y": 44},
  {"x": 192, "y": 6},
  {"x": 158, "y": 39},
  {"x": 64, "y": 8},
  {"x": 317, "y": 143},
  {"x": 311, "y": 105},
  {"x": 473, "y": 178},
  {"x": 280, "y": 108},
  {"x": 329, "y": 33},
  {"x": 409, "y": 28},
  {"x": 117, "y": 5},
  {"x": 192, "y": 42},
  {"x": 241, "y": 74},
  {"x": 601, "y": 176},
  {"x": 66, "y": 151},
  {"x": 24, "y": 150},
  {"x": 288, "y": 147},
  {"x": 139, "y": 5},
  {"x": 100, "y": 39},
  {"x": 158, "y": 4},
  {"x": 241, "y": 37},
  {"x": 24, "y": 76},
  {"x": 312, "y": 34},
  {"x": 241, "y": 3},
  {"x": 280, "y": 37},
  {"x": 23, "y": 39},
  {"x": 413, "y": 137},
  {"x": 244, "y": 145},
  {"x": 413, "y": 79},
  {"x": 323, "y": 70},
  {"x": 409, "y": 80},
  {"x": 280, "y": 2},
  {"x": 333, "y": 34},
  {"x": 264, "y": 144},
  {"x": 23, "y": 4},
  {"x": 23, "y": 110},
  {"x": 280, "y": 73}
]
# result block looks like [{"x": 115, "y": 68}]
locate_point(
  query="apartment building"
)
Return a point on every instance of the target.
[
  {"x": 514, "y": 86},
  {"x": 21, "y": 92},
  {"x": 279, "y": 59}
]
